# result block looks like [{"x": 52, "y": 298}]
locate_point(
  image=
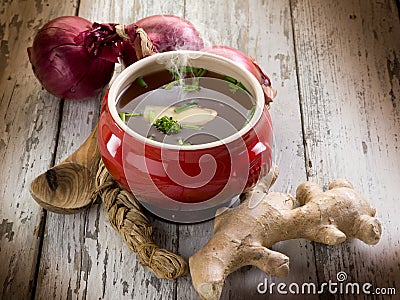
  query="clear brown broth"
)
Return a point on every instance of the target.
[{"x": 234, "y": 106}]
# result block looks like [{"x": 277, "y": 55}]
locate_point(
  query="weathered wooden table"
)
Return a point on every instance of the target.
[{"x": 336, "y": 65}]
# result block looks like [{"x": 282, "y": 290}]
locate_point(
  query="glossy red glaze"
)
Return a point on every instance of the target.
[{"x": 156, "y": 174}]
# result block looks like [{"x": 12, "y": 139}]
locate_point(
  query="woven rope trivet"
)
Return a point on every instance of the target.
[{"x": 127, "y": 217}]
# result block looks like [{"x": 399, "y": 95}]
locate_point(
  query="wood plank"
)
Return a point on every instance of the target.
[
  {"x": 93, "y": 261},
  {"x": 270, "y": 40},
  {"x": 348, "y": 58},
  {"x": 27, "y": 131},
  {"x": 214, "y": 22},
  {"x": 348, "y": 72},
  {"x": 251, "y": 26}
]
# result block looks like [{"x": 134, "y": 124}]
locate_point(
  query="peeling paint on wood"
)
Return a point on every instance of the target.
[
  {"x": 27, "y": 144},
  {"x": 6, "y": 230},
  {"x": 353, "y": 101}
]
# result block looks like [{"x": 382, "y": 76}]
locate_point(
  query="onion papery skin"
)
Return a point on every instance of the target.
[
  {"x": 247, "y": 62},
  {"x": 63, "y": 67},
  {"x": 167, "y": 33}
]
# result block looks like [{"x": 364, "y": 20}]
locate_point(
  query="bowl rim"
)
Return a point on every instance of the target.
[{"x": 120, "y": 83}]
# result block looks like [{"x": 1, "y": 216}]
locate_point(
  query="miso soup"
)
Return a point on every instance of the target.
[{"x": 188, "y": 106}]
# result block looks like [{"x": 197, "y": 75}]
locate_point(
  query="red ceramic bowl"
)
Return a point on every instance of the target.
[{"x": 185, "y": 183}]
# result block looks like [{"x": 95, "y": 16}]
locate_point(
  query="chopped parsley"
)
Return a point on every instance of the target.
[{"x": 167, "y": 125}]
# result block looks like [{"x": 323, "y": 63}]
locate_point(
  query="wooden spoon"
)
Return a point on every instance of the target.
[{"x": 68, "y": 186}]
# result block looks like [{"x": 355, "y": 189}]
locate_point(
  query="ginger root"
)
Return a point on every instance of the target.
[{"x": 242, "y": 235}]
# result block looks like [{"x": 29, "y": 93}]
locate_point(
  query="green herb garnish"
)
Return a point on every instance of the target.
[
  {"x": 240, "y": 85},
  {"x": 151, "y": 137},
  {"x": 176, "y": 75},
  {"x": 123, "y": 115},
  {"x": 191, "y": 88},
  {"x": 234, "y": 84},
  {"x": 170, "y": 85},
  {"x": 152, "y": 116},
  {"x": 230, "y": 79},
  {"x": 201, "y": 72},
  {"x": 233, "y": 87},
  {"x": 194, "y": 87},
  {"x": 184, "y": 107},
  {"x": 187, "y": 69},
  {"x": 195, "y": 71},
  {"x": 141, "y": 82},
  {"x": 186, "y": 88},
  {"x": 181, "y": 143},
  {"x": 167, "y": 125},
  {"x": 250, "y": 116},
  {"x": 196, "y": 127}
]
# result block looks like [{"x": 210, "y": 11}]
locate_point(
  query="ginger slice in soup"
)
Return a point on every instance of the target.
[{"x": 191, "y": 116}]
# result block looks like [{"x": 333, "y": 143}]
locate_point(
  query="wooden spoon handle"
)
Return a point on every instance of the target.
[{"x": 68, "y": 186}]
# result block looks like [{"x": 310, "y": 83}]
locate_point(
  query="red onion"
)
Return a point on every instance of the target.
[
  {"x": 167, "y": 33},
  {"x": 72, "y": 57},
  {"x": 248, "y": 63}
]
